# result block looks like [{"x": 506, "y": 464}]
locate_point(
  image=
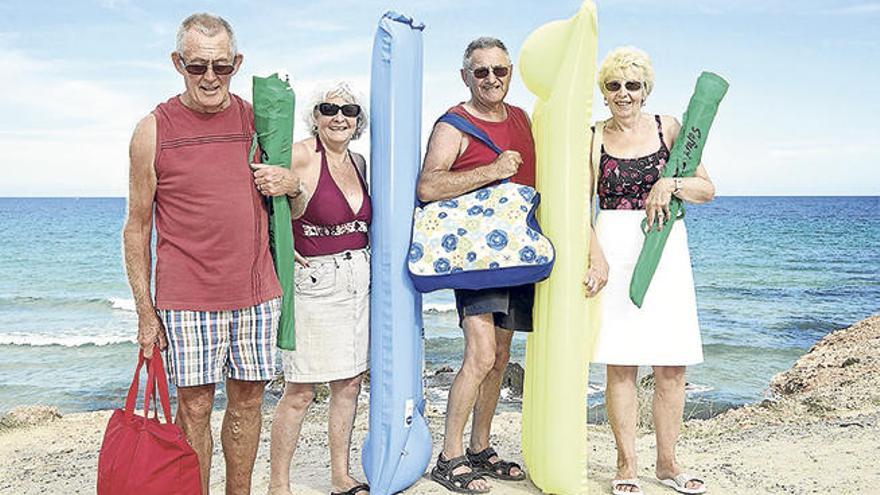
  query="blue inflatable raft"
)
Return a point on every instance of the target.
[{"x": 398, "y": 446}]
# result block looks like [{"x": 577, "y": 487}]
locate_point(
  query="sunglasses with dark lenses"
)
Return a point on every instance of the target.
[
  {"x": 331, "y": 109},
  {"x": 498, "y": 70},
  {"x": 613, "y": 86},
  {"x": 200, "y": 69}
]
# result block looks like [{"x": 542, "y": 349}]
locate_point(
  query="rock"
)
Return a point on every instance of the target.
[
  {"x": 29, "y": 416},
  {"x": 850, "y": 361},
  {"x": 444, "y": 369},
  {"x": 514, "y": 375}
]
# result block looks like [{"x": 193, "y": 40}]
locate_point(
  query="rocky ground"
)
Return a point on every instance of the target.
[{"x": 819, "y": 433}]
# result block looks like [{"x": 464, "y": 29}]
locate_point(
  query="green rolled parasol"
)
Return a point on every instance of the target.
[
  {"x": 274, "y": 104},
  {"x": 683, "y": 162}
]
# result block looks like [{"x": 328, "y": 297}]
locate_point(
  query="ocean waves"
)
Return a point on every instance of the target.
[
  {"x": 42, "y": 340},
  {"x": 31, "y": 303}
]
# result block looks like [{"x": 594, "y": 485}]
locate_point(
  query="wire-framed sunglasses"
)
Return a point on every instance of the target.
[
  {"x": 331, "y": 109},
  {"x": 200, "y": 69},
  {"x": 613, "y": 86},
  {"x": 483, "y": 72}
]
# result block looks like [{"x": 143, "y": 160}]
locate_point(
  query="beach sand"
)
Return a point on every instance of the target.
[{"x": 820, "y": 433}]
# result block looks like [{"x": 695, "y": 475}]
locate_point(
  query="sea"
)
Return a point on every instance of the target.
[{"x": 773, "y": 276}]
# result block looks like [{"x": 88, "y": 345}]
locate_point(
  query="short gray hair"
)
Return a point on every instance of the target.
[
  {"x": 482, "y": 43},
  {"x": 342, "y": 90},
  {"x": 207, "y": 24}
]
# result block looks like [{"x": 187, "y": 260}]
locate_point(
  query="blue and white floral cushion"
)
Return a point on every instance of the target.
[{"x": 465, "y": 241}]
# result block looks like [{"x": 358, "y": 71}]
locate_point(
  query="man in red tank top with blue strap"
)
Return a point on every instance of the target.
[
  {"x": 454, "y": 165},
  {"x": 217, "y": 298}
]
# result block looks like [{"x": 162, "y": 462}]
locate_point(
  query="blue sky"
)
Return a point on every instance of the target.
[{"x": 800, "y": 117}]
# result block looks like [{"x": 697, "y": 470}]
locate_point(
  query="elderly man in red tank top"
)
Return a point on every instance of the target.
[
  {"x": 454, "y": 165},
  {"x": 216, "y": 302}
]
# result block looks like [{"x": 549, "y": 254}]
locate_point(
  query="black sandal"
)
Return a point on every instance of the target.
[
  {"x": 363, "y": 487},
  {"x": 442, "y": 473},
  {"x": 499, "y": 469}
]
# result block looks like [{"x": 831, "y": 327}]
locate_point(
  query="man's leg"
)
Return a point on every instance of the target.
[
  {"x": 622, "y": 408},
  {"x": 479, "y": 358},
  {"x": 487, "y": 398},
  {"x": 286, "y": 425},
  {"x": 241, "y": 433},
  {"x": 194, "y": 405},
  {"x": 343, "y": 407}
]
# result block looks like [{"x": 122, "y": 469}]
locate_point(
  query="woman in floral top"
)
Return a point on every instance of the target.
[{"x": 664, "y": 333}]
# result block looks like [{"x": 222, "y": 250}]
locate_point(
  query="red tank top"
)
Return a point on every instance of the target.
[
  {"x": 212, "y": 241},
  {"x": 513, "y": 133},
  {"x": 329, "y": 226}
]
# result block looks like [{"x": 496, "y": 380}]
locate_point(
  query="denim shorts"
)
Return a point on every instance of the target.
[{"x": 511, "y": 307}]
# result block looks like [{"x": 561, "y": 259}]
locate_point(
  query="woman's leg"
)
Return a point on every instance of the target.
[
  {"x": 286, "y": 424},
  {"x": 622, "y": 408},
  {"x": 668, "y": 408},
  {"x": 343, "y": 408}
]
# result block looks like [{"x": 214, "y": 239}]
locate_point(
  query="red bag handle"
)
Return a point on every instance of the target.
[{"x": 155, "y": 379}]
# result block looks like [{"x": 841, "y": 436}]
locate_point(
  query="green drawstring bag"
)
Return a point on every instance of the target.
[
  {"x": 274, "y": 104},
  {"x": 683, "y": 162}
]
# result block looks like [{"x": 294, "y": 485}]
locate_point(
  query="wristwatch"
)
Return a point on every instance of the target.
[{"x": 677, "y": 181}]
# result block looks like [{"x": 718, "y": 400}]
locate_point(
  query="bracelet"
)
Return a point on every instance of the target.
[{"x": 678, "y": 183}]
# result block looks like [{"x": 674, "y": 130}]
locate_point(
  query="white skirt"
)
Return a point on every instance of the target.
[
  {"x": 665, "y": 330},
  {"x": 332, "y": 318}
]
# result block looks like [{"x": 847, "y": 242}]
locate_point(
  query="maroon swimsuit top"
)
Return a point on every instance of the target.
[{"x": 329, "y": 226}]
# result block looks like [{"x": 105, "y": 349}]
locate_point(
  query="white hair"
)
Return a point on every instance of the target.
[
  {"x": 207, "y": 24},
  {"x": 482, "y": 43},
  {"x": 342, "y": 90},
  {"x": 626, "y": 61}
]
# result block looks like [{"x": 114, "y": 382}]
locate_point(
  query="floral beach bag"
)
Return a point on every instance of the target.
[{"x": 483, "y": 239}]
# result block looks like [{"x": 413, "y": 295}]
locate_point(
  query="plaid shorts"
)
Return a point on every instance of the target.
[{"x": 206, "y": 346}]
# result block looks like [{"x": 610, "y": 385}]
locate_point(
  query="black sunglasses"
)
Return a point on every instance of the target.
[
  {"x": 613, "y": 86},
  {"x": 200, "y": 69},
  {"x": 483, "y": 72},
  {"x": 331, "y": 109}
]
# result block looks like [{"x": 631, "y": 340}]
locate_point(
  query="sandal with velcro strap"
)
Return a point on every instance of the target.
[
  {"x": 499, "y": 469},
  {"x": 443, "y": 474}
]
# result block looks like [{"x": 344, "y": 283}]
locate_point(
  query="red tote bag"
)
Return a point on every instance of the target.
[{"x": 142, "y": 455}]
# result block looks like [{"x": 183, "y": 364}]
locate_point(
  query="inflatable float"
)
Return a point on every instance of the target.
[
  {"x": 558, "y": 64},
  {"x": 398, "y": 446}
]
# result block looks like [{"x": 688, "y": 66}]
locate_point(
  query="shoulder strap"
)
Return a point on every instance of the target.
[
  {"x": 596, "y": 152},
  {"x": 465, "y": 126}
]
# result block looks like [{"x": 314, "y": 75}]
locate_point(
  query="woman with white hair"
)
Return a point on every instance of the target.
[
  {"x": 664, "y": 333},
  {"x": 332, "y": 277}
]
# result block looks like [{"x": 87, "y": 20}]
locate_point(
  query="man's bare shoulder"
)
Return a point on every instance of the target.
[{"x": 143, "y": 139}]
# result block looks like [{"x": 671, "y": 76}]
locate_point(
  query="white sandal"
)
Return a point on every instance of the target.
[
  {"x": 629, "y": 482},
  {"x": 679, "y": 484}
]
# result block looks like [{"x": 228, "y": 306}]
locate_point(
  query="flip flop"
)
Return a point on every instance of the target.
[
  {"x": 615, "y": 484},
  {"x": 363, "y": 487},
  {"x": 679, "y": 484}
]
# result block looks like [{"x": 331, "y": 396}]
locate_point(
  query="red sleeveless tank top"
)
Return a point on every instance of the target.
[
  {"x": 329, "y": 226},
  {"x": 513, "y": 133},
  {"x": 212, "y": 241}
]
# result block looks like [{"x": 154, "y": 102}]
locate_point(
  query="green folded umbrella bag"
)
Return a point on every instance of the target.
[
  {"x": 683, "y": 162},
  {"x": 274, "y": 103}
]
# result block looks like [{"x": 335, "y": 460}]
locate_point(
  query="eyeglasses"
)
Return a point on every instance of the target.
[
  {"x": 200, "y": 69},
  {"x": 483, "y": 72},
  {"x": 613, "y": 86},
  {"x": 331, "y": 109}
]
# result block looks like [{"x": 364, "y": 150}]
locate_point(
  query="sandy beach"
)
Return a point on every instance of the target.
[{"x": 819, "y": 432}]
